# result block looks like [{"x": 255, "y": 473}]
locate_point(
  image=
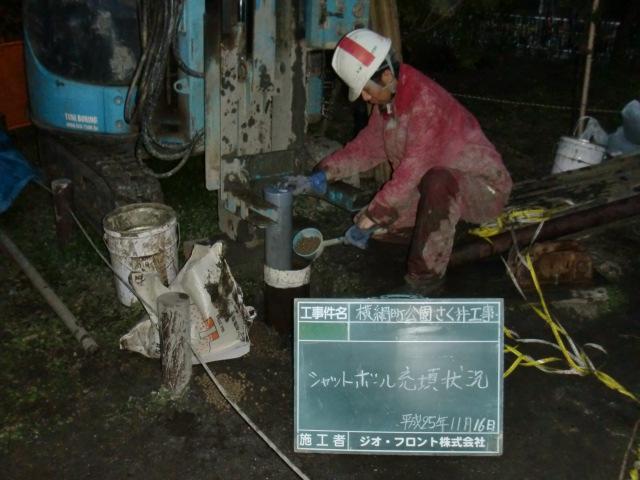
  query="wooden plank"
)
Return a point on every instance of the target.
[{"x": 613, "y": 180}]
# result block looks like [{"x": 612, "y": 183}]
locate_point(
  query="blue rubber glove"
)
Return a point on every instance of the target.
[
  {"x": 358, "y": 237},
  {"x": 314, "y": 183},
  {"x": 318, "y": 181}
]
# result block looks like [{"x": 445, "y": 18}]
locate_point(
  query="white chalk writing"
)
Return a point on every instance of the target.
[{"x": 429, "y": 379}]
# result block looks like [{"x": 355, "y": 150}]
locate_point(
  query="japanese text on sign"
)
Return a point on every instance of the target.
[{"x": 399, "y": 376}]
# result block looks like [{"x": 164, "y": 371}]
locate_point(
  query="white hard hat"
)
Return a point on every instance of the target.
[{"x": 358, "y": 56}]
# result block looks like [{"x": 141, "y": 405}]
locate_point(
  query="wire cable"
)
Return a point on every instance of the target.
[{"x": 210, "y": 374}]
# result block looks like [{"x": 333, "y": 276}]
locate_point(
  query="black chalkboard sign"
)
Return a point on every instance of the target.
[{"x": 398, "y": 376}]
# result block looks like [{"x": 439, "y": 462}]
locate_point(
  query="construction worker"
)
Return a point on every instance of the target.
[{"x": 444, "y": 168}]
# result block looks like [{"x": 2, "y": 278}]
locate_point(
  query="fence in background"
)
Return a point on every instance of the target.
[{"x": 548, "y": 37}]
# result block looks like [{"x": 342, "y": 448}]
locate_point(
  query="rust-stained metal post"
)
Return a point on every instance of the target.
[
  {"x": 175, "y": 349},
  {"x": 384, "y": 20},
  {"x": 62, "y": 189},
  {"x": 556, "y": 227},
  {"x": 88, "y": 343}
]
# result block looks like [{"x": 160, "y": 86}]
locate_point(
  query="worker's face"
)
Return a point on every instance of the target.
[{"x": 379, "y": 93}]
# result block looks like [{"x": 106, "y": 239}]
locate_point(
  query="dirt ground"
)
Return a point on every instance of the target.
[{"x": 67, "y": 415}]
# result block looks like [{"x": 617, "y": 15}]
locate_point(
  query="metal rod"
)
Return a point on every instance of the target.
[
  {"x": 62, "y": 189},
  {"x": 560, "y": 226},
  {"x": 88, "y": 343},
  {"x": 278, "y": 250},
  {"x": 587, "y": 67}
]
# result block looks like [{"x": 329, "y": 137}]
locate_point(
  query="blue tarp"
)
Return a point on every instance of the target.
[
  {"x": 631, "y": 121},
  {"x": 15, "y": 172}
]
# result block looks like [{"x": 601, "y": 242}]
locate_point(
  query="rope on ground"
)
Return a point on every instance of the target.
[
  {"x": 577, "y": 359},
  {"x": 213, "y": 378},
  {"x": 531, "y": 104}
]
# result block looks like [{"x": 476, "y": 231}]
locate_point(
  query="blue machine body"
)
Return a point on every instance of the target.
[
  {"x": 327, "y": 22},
  {"x": 60, "y": 103},
  {"x": 63, "y": 102},
  {"x": 191, "y": 48}
]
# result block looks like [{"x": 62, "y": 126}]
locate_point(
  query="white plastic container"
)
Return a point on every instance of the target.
[
  {"x": 574, "y": 153},
  {"x": 141, "y": 237}
]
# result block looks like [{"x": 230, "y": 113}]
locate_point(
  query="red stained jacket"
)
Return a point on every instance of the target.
[{"x": 428, "y": 128}]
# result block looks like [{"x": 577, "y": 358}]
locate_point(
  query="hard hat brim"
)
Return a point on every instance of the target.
[{"x": 354, "y": 94}]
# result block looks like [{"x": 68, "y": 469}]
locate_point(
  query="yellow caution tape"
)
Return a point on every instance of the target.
[
  {"x": 489, "y": 229},
  {"x": 526, "y": 361},
  {"x": 577, "y": 359},
  {"x": 529, "y": 215},
  {"x": 511, "y": 218}
]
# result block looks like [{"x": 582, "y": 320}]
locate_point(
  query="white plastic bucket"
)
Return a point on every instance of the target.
[
  {"x": 574, "y": 153},
  {"x": 141, "y": 237}
]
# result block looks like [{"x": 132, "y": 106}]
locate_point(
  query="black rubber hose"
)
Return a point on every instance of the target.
[{"x": 159, "y": 20}]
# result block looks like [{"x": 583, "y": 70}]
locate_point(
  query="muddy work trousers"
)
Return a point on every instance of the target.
[{"x": 434, "y": 231}]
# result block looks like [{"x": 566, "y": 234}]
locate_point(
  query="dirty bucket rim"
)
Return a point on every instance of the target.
[
  {"x": 306, "y": 233},
  {"x": 165, "y": 223},
  {"x": 582, "y": 142},
  {"x": 576, "y": 153}
]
